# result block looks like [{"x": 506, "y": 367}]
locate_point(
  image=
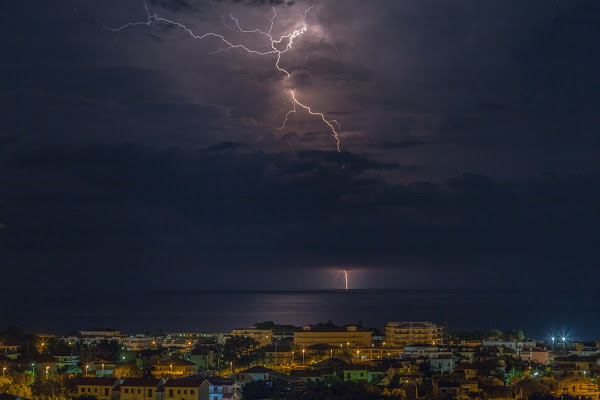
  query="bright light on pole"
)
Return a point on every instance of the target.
[{"x": 416, "y": 388}]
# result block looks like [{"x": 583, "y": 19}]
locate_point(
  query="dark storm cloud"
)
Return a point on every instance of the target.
[
  {"x": 97, "y": 204},
  {"x": 469, "y": 136}
]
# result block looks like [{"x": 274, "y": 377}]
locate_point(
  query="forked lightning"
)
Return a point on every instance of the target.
[{"x": 273, "y": 48}]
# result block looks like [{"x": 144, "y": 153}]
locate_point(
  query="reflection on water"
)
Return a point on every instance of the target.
[{"x": 224, "y": 310}]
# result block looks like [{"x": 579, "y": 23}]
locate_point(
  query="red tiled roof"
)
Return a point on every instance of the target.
[
  {"x": 141, "y": 382},
  {"x": 176, "y": 362},
  {"x": 187, "y": 383},
  {"x": 85, "y": 381}
]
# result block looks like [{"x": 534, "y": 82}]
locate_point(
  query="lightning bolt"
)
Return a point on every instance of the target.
[
  {"x": 343, "y": 273},
  {"x": 276, "y": 47}
]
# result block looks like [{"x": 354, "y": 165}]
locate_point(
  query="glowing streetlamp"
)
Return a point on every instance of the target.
[
  {"x": 171, "y": 365},
  {"x": 47, "y": 368},
  {"x": 102, "y": 369},
  {"x": 303, "y": 357},
  {"x": 86, "y": 369},
  {"x": 3, "y": 371},
  {"x": 416, "y": 388}
]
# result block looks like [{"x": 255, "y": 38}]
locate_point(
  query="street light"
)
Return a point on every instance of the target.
[
  {"x": 52, "y": 386},
  {"x": 86, "y": 369},
  {"x": 103, "y": 370},
  {"x": 416, "y": 388},
  {"x": 3, "y": 370},
  {"x": 47, "y": 368},
  {"x": 302, "y": 357}
]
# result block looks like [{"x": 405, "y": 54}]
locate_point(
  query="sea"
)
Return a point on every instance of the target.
[{"x": 539, "y": 314}]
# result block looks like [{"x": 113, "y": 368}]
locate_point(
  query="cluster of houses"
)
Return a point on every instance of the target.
[{"x": 190, "y": 366}]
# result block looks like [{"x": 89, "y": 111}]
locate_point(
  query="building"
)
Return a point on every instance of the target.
[
  {"x": 203, "y": 358},
  {"x": 103, "y": 367},
  {"x": 348, "y": 337},
  {"x": 141, "y": 389},
  {"x": 68, "y": 362},
  {"x": 454, "y": 390},
  {"x": 362, "y": 375},
  {"x": 182, "y": 389},
  {"x": 277, "y": 355},
  {"x": 173, "y": 367},
  {"x": 515, "y": 345},
  {"x": 466, "y": 370},
  {"x": 140, "y": 342},
  {"x": 101, "y": 388},
  {"x": 262, "y": 336},
  {"x": 253, "y": 374},
  {"x": 442, "y": 365},
  {"x": 578, "y": 386},
  {"x": 377, "y": 353},
  {"x": 219, "y": 389},
  {"x": 400, "y": 334},
  {"x": 199, "y": 337},
  {"x": 95, "y": 336},
  {"x": 537, "y": 355}
]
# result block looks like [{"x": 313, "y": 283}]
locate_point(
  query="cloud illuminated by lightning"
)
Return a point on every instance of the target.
[{"x": 276, "y": 47}]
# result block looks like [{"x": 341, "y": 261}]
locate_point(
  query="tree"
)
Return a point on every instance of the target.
[
  {"x": 112, "y": 347},
  {"x": 131, "y": 370},
  {"x": 544, "y": 386},
  {"x": 241, "y": 351},
  {"x": 16, "y": 388},
  {"x": 394, "y": 393},
  {"x": 85, "y": 397}
]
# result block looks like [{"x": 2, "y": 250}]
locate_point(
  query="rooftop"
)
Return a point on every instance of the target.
[
  {"x": 141, "y": 382},
  {"x": 187, "y": 383},
  {"x": 257, "y": 370},
  {"x": 87, "y": 381},
  {"x": 176, "y": 362}
]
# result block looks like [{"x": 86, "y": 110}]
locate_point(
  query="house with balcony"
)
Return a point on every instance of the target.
[{"x": 401, "y": 334}]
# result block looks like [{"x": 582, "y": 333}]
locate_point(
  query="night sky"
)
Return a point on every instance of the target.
[{"x": 469, "y": 146}]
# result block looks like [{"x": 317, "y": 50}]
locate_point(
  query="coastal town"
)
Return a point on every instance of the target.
[{"x": 404, "y": 360}]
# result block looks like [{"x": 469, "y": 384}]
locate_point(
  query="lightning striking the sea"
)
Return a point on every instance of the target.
[
  {"x": 344, "y": 274},
  {"x": 275, "y": 47}
]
